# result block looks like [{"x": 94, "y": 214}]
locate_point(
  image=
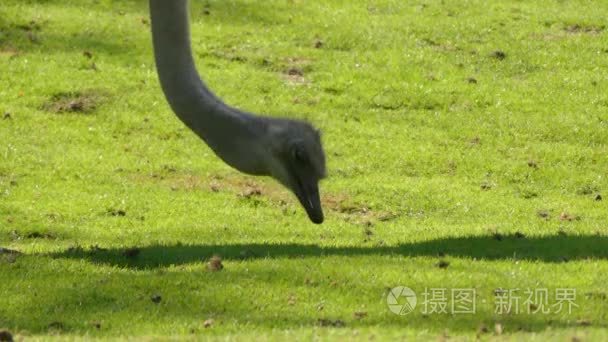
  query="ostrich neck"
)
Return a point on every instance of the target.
[{"x": 233, "y": 135}]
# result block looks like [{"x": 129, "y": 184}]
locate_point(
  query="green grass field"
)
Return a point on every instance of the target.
[{"x": 467, "y": 146}]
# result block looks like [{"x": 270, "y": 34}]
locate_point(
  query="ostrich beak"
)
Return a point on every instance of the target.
[{"x": 307, "y": 193}]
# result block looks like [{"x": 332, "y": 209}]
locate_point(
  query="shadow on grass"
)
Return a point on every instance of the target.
[
  {"x": 555, "y": 248},
  {"x": 207, "y": 290},
  {"x": 30, "y": 34}
]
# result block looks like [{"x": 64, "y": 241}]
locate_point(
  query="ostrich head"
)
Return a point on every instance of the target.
[{"x": 298, "y": 162}]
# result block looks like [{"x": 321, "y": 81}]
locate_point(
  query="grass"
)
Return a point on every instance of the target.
[{"x": 466, "y": 144}]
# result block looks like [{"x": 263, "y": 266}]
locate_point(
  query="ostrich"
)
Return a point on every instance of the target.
[{"x": 287, "y": 150}]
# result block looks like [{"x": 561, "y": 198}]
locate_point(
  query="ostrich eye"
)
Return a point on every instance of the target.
[{"x": 298, "y": 154}]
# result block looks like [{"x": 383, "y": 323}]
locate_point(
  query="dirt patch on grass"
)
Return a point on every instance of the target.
[
  {"x": 9, "y": 51},
  {"x": 295, "y": 69},
  {"x": 8, "y": 255},
  {"x": 84, "y": 102},
  {"x": 30, "y": 26},
  {"x": 56, "y": 327},
  {"x": 584, "y": 28},
  {"x": 156, "y": 298},
  {"x": 442, "y": 264},
  {"x": 263, "y": 191},
  {"x": 242, "y": 187},
  {"x": 355, "y": 212},
  {"x": 188, "y": 183},
  {"x": 587, "y": 189},
  {"x": 294, "y": 76},
  {"x": 570, "y": 30},
  {"x": 344, "y": 205},
  {"x": 6, "y": 251},
  {"x": 304, "y": 63},
  {"x": 17, "y": 235},
  {"x": 334, "y": 323},
  {"x": 260, "y": 190},
  {"x": 215, "y": 264},
  {"x": 440, "y": 46},
  {"x": 252, "y": 190},
  {"x": 544, "y": 214},
  {"x": 116, "y": 212},
  {"x": 208, "y": 323},
  {"x": 498, "y": 54},
  {"x": 565, "y": 216},
  {"x": 360, "y": 314},
  {"x": 40, "y": 235}
]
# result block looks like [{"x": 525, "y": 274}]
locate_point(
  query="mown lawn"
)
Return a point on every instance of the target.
[{"x": 466, "y": 145}]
